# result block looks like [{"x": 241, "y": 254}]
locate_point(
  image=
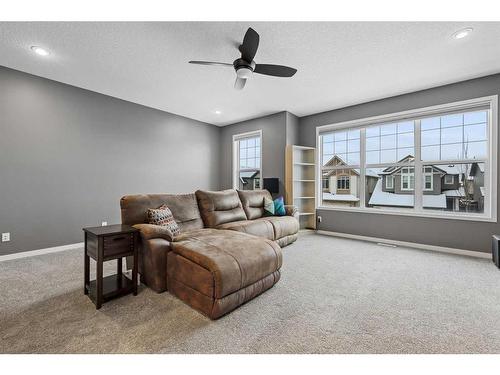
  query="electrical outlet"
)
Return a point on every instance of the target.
[
  {"x": 319, "y": 219},
  {"x": 104, "y": 223},
  {"x": 6, "y": 237}
]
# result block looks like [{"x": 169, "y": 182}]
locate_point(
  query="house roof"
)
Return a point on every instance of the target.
[
  {"x": 382, "y": 198},
  {"x": 460, "y": 192},
  {"x": 443, "y": 168},
  {"x": 248, "y": 174},
  {"x": 480, "y": 166},
  {"x": 340, "y": 197},
  {"x": 450, "y": 169},
  {"x": 391, "y": 170},
  {"x": 340, "y": 161}
]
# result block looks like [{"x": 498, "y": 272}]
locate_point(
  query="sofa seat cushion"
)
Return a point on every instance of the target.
[
  {"x": 283, "y": 225},
  {"x": 221, "y": 262},
  {"x": 258, "y": 227}
]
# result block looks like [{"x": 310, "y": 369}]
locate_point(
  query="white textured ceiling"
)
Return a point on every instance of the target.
[{"x": 339, "y": 63}]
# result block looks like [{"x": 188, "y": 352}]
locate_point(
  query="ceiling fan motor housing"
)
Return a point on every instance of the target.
[{"x": 243, "y": 68}]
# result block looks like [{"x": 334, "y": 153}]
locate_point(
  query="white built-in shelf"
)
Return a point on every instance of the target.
[
  {"x": 300, "y": 182},
  {"x": 312, "y": 164}
]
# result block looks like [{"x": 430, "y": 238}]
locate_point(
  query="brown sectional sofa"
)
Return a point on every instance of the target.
[
  {"x": 215, "y": 271},
  {"x": 228, "y": 252},
  {"x": 244, "y": 212}
]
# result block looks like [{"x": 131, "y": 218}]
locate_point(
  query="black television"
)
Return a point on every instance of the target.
[{"x": 272, "y": 184}]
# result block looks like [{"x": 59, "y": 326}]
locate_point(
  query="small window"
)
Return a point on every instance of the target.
[
  {"x": 247, "y": 161},
  {"x": 343, "y": 183},
  {"x": 428, "y": 178},
  {"x": 428, "y": 182},
  {"x": 407, "y": 178},
  {"x": 389, "y": 182},
  {"x": 449, "y": 179},
  {"x": 326, "y": 183}
]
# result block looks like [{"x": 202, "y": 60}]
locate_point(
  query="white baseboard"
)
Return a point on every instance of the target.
[
  {"x": 33, "y": 253},
  {"x": 441, "y": 249}
]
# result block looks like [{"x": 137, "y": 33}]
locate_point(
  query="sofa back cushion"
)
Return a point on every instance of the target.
[
  {"x": 184, "y": 207},
  {"x": 253, "y": 202},
  {"x": 219, "y": 207}
]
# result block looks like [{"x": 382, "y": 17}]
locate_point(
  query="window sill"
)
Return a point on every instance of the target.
[{"x": 447, "y": 216}]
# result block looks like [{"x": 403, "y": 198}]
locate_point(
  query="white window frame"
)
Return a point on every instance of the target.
[
  {"x": 344, "y": 180},
  {"x": 236, "y": 156},
  {"x": 387, "y": 179},
  {"x": 452, "y": 179},
  {"x": 426, "y": 174},
  {"x": 490, "y": 182},
  {"x": 409, "y": 175},
  {"x": 327, "y": 180}
]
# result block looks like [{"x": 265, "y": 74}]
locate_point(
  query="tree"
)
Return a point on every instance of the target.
[{"x": 467, "y": 200}]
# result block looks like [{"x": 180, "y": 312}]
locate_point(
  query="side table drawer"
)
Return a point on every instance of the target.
[{"x": 118, "y": 244}]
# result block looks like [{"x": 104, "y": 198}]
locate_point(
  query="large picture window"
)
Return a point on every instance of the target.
[
  {"x": 435, "y": 161},
  {"x": 247, "y": 156}
]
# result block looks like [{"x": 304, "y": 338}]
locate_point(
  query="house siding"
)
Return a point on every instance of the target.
[
  {"x": 453, "y": 186},
  {"x": 436, "y": 185},
  {"x": 384, "y": 188}
]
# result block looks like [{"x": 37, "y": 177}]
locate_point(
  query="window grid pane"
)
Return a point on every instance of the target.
[
  {"x": 249, "y": 151},
  {"x": 249, "y": 163},
  {"x": 390, "y": 143},
  {"x": 342, "y": 147},
  {"x": 455, "y": 137}
]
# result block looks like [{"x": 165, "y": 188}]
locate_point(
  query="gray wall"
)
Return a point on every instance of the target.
[
  {"x": 67, "y": 155},
  {"x": 278, "y": 131},
  {"x": 450, "y": 233},
  {"x": 292, "y": 129},
  {"x": 273, "y": 147}
]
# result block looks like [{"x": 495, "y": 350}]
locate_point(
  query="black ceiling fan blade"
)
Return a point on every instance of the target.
[
  {"x": 210, "y": 63},
  {"x": 275, "y": 70},
  {"x": 250, "y": 45}
]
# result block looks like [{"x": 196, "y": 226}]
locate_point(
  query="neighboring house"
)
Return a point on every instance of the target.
[
  {"x": 249, "y": 180},
  {"x": 341, "y": 186},
  {"x": 444, "y": 187},
  {"x": 397, "y": 186}
]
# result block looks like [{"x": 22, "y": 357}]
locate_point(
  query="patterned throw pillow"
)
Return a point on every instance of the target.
[
  {"x": 163, "y": 216},
  {"x": 279, "y": 207},
  {"x": 268, "y": 207}
]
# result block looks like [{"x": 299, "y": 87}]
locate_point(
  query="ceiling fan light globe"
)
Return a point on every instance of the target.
[{"x": 244, "y": 73}]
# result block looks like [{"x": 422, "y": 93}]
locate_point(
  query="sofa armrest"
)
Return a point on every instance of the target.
[
  {"x": 292, "y": 210},
  {"x": 150, "y": 231}
]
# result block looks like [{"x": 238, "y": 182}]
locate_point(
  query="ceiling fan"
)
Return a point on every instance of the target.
[{"x": 245, "y": 66}]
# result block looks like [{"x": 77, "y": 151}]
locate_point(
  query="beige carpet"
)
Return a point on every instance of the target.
[{"x": 335, "y": 296}]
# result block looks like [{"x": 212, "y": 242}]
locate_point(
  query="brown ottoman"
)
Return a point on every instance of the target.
[{"x": 215, "y": 271}]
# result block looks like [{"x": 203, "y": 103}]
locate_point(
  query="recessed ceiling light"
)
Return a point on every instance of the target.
[
  {"x": 462, "y": 33},
  {"x": 217, "y": 112},
  {"x": 40, "y": 51}
]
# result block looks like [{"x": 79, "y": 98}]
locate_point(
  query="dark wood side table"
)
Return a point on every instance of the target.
[{"x": 109, "y": 243}]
